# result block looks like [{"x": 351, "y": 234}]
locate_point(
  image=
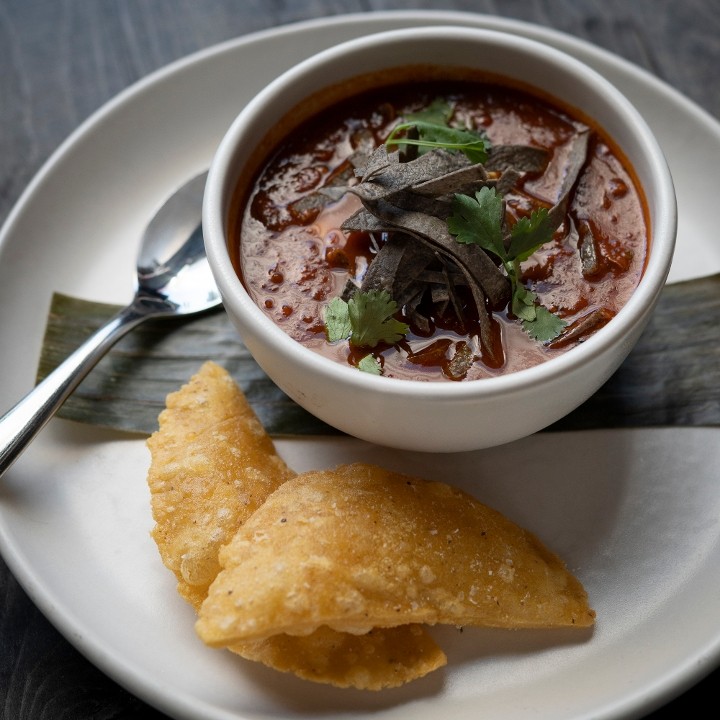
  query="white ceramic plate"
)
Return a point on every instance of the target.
[{"x": 634, "y": 513}]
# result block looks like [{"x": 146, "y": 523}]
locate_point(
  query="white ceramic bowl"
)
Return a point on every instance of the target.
[{"x": 442, "y": 416}]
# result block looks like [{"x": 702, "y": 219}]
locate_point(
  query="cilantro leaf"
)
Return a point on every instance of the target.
[
  {"x": 545, "y": 326},
  {"x": 529, "y": 234},
  {"x": 370, "y": 364},
  {"x": 432, "y": 135},
  {"x": 337, "y": 320},
  {"x": 478, "y": 221},
  {"x": 439, "y": 111},
  {"x": 523, "y": 303},
  {"x": 366, "y": 320},
  {"x": 371, "y": 318},
  {"x": 537, "y": 321},
  {"x": 434, "y": 131}
]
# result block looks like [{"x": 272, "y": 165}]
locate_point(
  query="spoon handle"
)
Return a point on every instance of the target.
[{"x": 22, "y": 423}]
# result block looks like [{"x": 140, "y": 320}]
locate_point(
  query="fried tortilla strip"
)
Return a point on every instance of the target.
[
  {"x": 362, "y": 547},
  {"x": 212, "y": 465}
]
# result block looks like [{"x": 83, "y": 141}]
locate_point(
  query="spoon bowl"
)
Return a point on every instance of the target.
[
  {"x": 172, "y": 263},
  {"x": 173, "y": 278}
]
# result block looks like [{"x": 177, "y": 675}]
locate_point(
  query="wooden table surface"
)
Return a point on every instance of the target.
[{"x": 61, "y": 61}]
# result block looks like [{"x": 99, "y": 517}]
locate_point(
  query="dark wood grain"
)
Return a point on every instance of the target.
[{"x": 60, "y": 61}]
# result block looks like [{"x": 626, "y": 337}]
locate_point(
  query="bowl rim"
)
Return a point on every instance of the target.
[{"x": 634, "y": 312}]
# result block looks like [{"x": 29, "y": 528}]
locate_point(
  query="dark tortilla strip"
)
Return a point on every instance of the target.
[
  {"x": 576, "y": 159},
  {"x": 507, "y": 181},
  {"x": 587, "y": 249},
  {"x": 425, "y": 184},
  {"x": 523, "y": 158},
  {"x": 378, "y": 161},
  {"x": 399, "y": 176},
  {"x": 416, "y": 318},
  {"x": 314, "y": 202},
  {"x": 450, "y": 280},
  {"x": 408, "y": 200},
  {"x": 486, "y": 337},
  {"x": 363, "y": 221},
  {"x": 448, "y": 275},
  {"x": 407, "y": 287},
  {"x": 416, "y": 259},
  {"x": 399, "y": 250},
  {"x": 382, "y": 271},
  {"x": 462, "y": 180},
  {"x": 582, "y": 327},
  {"x": 472, "y": 259},
  {"x": 574, "y": 162},
  {"x": 440, "y": 293}
]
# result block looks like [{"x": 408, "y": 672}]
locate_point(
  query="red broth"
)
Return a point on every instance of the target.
[{"x": 293, "y": 257}]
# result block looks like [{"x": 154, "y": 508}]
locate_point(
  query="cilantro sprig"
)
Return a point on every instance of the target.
[
  {"x": 478, "y": 220},
  {"x": 366, "y": 320},
  {"x": 434, "y": 131}
]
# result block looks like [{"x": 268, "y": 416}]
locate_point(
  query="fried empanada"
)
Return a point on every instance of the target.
[
  {"x": 361, "y": 547},
  {"x": 212, "y": 465},
  {"x": 382, "y": 658}
]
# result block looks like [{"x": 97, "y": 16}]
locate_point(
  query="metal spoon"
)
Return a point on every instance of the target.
[{"x": 173, "y": 278}]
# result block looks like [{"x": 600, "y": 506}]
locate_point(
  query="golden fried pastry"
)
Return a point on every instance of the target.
[
  {"x": 212, "y": 465},
  {"x": 362, "y": 547},
  {"x": 382, "y": 658}
]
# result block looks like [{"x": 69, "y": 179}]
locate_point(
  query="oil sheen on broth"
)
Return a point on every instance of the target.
[{"x": 293, "y": 257}]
